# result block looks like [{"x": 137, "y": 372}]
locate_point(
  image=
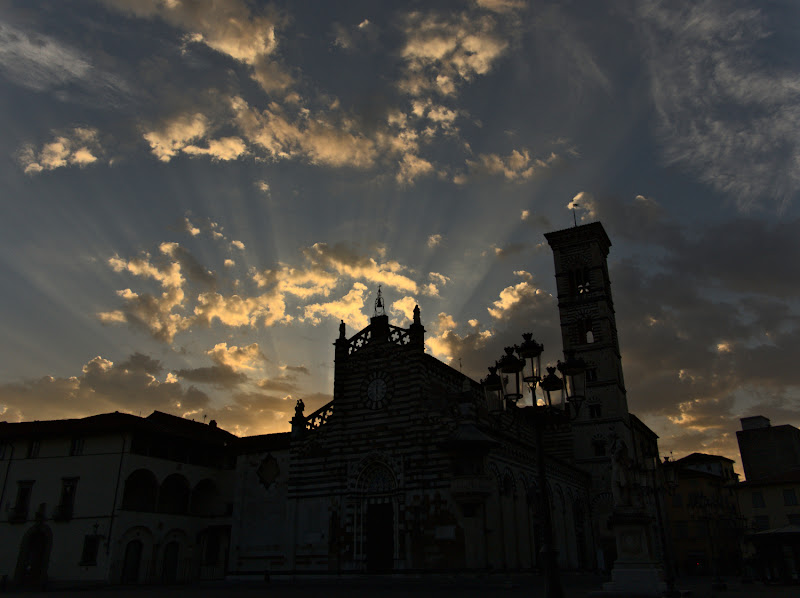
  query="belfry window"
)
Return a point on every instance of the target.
[{"x": 579, "y": 281}]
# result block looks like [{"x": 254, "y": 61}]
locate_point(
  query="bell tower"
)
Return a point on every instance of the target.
[{"x": 586, "y": 312}]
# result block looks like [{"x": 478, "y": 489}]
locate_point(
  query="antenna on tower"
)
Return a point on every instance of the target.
[{"x": 379, "y": 311}]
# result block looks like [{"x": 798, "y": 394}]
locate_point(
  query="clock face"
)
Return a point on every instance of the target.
[{"x": 377, "y": 390}]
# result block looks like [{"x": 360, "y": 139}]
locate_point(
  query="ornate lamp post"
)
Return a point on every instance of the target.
[{"x": 526, "y": 369}]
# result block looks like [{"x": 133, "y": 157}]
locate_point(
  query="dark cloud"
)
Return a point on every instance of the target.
[
  {"x": 279, "y": 383},
  {"x": 641, "y": 219},
  {"x": 298, "y": 369},
  {"x": 745, "y": 255},
  {"x": 191, "y": 267},
  {"x": 222, "y": 376},
  {"x": 103, "y": 386},
  {"x": 510, "y": 249}
]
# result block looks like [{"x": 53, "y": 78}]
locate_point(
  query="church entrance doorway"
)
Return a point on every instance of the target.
[{"x": 380, "y": 537}]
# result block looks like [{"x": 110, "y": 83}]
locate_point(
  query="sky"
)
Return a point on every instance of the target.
[{"x": 195, "y": 193}]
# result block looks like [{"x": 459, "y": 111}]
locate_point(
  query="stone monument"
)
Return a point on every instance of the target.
[{"x": 636, "y": 572}]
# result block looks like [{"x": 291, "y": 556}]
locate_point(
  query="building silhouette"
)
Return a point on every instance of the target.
[
  {"x": 770, "y": 498},
  {"x": 704, "y": 513},
  {"x": 115, "y": 498},
  {"x": 411, "y": 467}
]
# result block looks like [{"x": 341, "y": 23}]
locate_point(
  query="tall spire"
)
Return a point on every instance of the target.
[{"x": 379, "y": 311}]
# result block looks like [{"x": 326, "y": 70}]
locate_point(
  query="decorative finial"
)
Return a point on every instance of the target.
[{"x": 379, "y": 311}]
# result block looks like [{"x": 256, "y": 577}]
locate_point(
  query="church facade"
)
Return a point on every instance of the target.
[
  {"x": 406, "y": 469},
  {"x": 411, "y": 466}
]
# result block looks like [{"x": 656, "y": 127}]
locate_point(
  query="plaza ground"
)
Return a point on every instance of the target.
[{"x": 502, "y": 586}]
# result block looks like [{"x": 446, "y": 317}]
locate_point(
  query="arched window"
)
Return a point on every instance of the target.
[
  {"x": 173, "y": 497},
  {"x": 141, "y": 488},
  {"x": 376, "y": 479}
]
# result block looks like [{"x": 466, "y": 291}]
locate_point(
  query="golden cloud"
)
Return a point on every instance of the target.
[
  {"x": 174, "y": 135},
  {"x": 79, "y": 146},
  {"x": 239, "y": 359},
  {"x": 348, "y": 308}
]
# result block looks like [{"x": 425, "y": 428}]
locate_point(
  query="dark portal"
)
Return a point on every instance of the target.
[
  {"x": 133, "y": 559},
  {"x": 380, "y": 537},
  {"x": 34, "y": 555},
  {"x": 169, "y": 571}
]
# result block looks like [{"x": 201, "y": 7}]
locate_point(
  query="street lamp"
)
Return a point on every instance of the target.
[
  {"x": 571, "y": 388},
  {"x": 510, "y": 365}
]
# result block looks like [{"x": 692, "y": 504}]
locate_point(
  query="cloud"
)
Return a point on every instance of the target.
[
  {"x": 343, "y": 260},
  {"x": 295, "y": 369},
  {"x": 443, "y": 52},
  {"x": 404, "y": 308},
  {"x": 518, "y": 166},
  {"x": 272, "y": 76},
  {"x": 230, "y": 27},
  {"x": 510, "y": 249},
  {"x": 349, "y": 37},
  {"x": 43, "y": 63},
  {"x": 411, "y": 168},
  {"x": 511, "y": 297},
  {"x": 745, "y": 255},
  {"x": 130, "y": 386},
  {"x": 255, "y": 412},
  {"x": 79, "y": 146},
  {"x": 190, "y": 228},
  {"x": 584, "y": 202},
  {"x": 348, "y": 308},
  {"x": 188, "y": 264},
  {"x": 725, "y": 110},
  {"x": 278, "y": 383},
  {"x": 192, "y": 296},
  {"x": 223, "y": 149},
  {"x": 239, "y": 359},
  {"x": 266, "y": 309},
  {"x": 175, "y": 135},
  {"x": 502, "y": 6},
  {"x": 320, "y": 140},
  {"x": 447, "y": 344},
  {"x": 437, "y": 278},
  {"x": 154, "y": 313},
  {"x": 434, "y": 240},
  {"x": 263, "y": 186},
  {"x": 221, "y": 376}
]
